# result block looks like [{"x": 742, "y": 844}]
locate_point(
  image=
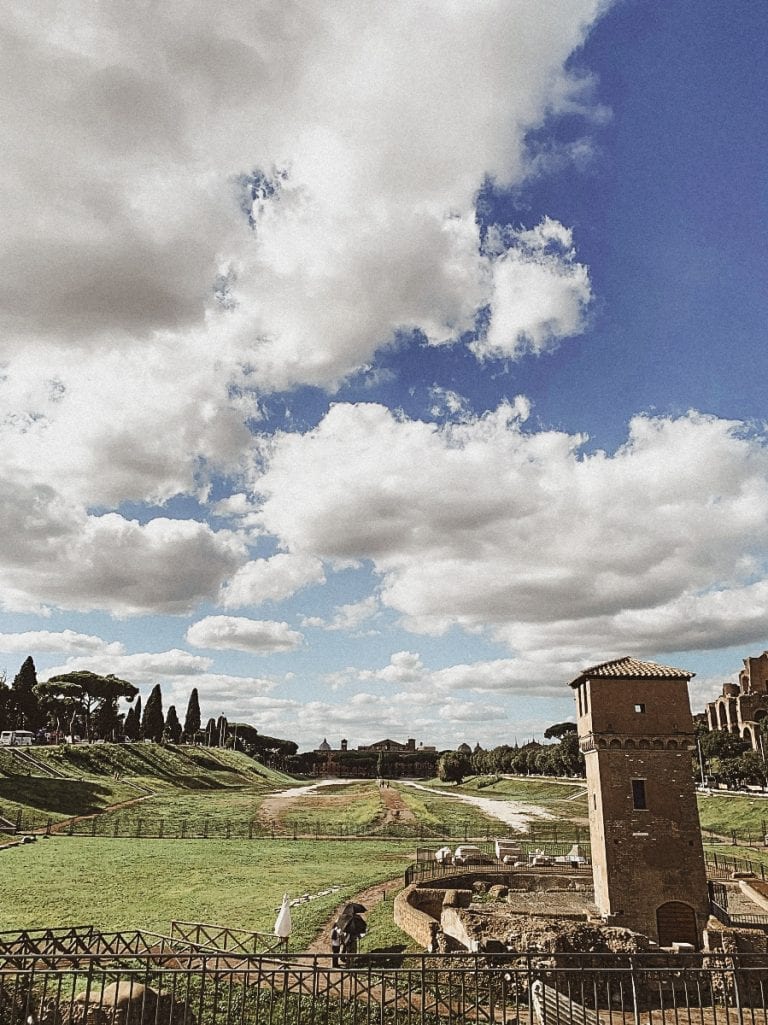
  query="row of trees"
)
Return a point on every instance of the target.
[
  {"x": 725, "y": 758},
  {"x": 85, "y": 704},
  {"x": 562, "y": 758}
]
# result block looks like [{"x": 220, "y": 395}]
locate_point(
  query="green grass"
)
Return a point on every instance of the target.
[
  {"x": 99, "y": 775},
  {"x": 172, "y": 809},
  {"x": 722, "y": 813},
  {"x": 383, "y": 934},
  {"x": 173, "y": 765},
  {"x": 449, "y": 814},
  {"x": 41, "y": 797},
  {"x": 336, "y": 809},
  {"x": 130, "y": 884}
]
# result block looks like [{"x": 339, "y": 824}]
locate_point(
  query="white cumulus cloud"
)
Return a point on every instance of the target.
[
  {"x": 261, "y": 637},
  {"x": 197, "y": 202},
  {"x": 272, "y": 579},
  {"x": 65, "y": 641},
  {"x": 556, "y": 551}
]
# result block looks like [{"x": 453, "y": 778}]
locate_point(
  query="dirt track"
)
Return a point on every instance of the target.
[
  {"x": 273, "y": 808},
  {"x": 369, "y": 898}
]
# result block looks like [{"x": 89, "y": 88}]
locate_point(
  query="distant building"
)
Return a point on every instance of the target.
[
  {"x": 388, "y": 745},
  {"x": 742, "y": 705},
  {"x": 408, "y": 759},
  {"x": 636, "y": 731}
]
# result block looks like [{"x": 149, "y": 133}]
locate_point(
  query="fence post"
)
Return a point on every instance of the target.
[
  {"x": 733, "y": 835},
  {"x": 18, "y": 820},
  {"x": 116, "y": 830},
  {"x": 138, "y": 827},
  {"x": 250, "y": 829},
  {"x": 161, "y": 831},
  {"x": 183, "y": 829},
  {"x": 228, "y": 830},
  {"x": 93, "y": 826},
  {"x": 71, "y": 826},
  {"x": 48, "y": 827},
  {"x": 205, "y": 828}
]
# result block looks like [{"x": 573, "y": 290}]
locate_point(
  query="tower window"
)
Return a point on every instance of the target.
[
  {"x": 638, "y": 794},
  {"x": 640, "y": 709}
]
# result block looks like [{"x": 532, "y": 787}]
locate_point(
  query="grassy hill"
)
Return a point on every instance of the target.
[{"x": 67, "y": 780}]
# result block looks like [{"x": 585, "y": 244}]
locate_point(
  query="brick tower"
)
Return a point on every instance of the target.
[{"x": 636, "y": 732}]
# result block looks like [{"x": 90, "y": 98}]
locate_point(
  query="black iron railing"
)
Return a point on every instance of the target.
[{"x": 194, "y": 988}]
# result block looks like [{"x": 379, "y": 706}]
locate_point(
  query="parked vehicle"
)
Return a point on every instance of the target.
[{"x": 16, "y": 738}]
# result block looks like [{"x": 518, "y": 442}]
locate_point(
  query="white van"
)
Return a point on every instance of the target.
[{"x": 16, "y": 738}]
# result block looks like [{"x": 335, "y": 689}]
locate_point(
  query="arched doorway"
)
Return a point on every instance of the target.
[{"x": 676, "y": 923}]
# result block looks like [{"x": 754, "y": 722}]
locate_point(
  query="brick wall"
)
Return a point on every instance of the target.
[{"x": 415, "y": 907}]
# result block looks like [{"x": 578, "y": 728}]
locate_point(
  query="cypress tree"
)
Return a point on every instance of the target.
[
  {"x": 192, "y": 718},
  {"x": 210, "y": 733},
  {"x": 152, "y": 722},
  {"x": 25, "y": 706},
  {"x": 131, "y": 725},
  {"x": 137, "y": 719},
  {"x": 172, "y": 730},
  {"x": 221, "y": 731}
]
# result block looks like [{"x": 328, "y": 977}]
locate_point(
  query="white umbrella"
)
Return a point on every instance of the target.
[{"x": 283, "y": 924}]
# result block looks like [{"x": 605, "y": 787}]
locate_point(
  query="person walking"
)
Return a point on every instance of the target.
[{"x": 335, "y": 944}]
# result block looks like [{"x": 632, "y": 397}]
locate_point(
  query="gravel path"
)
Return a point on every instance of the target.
[{"x": 516, "y": 814}]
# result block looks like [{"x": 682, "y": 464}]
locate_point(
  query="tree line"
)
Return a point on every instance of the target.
[
  {"x": 85, "y": 705},
  {"x": 561, "y": 758}
]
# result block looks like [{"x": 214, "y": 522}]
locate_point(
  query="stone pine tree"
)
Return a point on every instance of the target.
[
  {"x": 26, "y": 711},
  {"x": 153, "y": 723},
  {"x": 172, "y": 730},
  {"x": 192, "y": 718}
]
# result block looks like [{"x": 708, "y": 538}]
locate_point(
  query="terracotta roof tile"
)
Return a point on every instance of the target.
[{"x": 631, "y": 668}]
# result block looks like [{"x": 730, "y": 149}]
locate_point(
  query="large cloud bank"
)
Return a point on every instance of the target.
[
  {"x": 558, "y": 552},
  {"x": 253, "y": 198}
]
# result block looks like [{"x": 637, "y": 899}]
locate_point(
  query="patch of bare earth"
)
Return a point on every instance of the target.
[{"x": 395, "y": 808}]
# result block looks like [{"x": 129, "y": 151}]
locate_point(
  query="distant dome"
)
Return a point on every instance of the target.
[
  {"x": 325, "y": 746},
  {"x": 464, "y": 749}
]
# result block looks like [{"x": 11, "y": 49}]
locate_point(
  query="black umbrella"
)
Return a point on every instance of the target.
[
  {"x": 355, "y": 926},
  {"x": 353, "y": 909}
]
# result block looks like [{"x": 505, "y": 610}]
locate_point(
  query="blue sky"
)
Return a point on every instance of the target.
[{"x": 461, "y": 392}]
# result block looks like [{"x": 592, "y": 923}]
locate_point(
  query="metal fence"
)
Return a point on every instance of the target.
[
  {"x": 111, "y": 826},
  {"x": 725, "y": 866},
  {"x": 384, "y": 987}
]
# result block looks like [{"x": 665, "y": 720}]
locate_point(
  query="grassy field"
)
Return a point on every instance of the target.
[
  {"x": 41, "y": 798},
  {"x": 722, "y": 813},
  {"x": 565, "y": 801},
  {"x": 129, "y": 884},
  {"x": 343, "y": 808},
  {"x": 189, "y": 781},
  {"x": 457, "y": 818}
]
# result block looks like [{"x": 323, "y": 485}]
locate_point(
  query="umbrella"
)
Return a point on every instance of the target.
[
  {"x": 355, "y": 926},
  {"x": 351, "y": 909},
  {"x": 283, "y": 924},
  {"x": 350, "y": 922}
]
